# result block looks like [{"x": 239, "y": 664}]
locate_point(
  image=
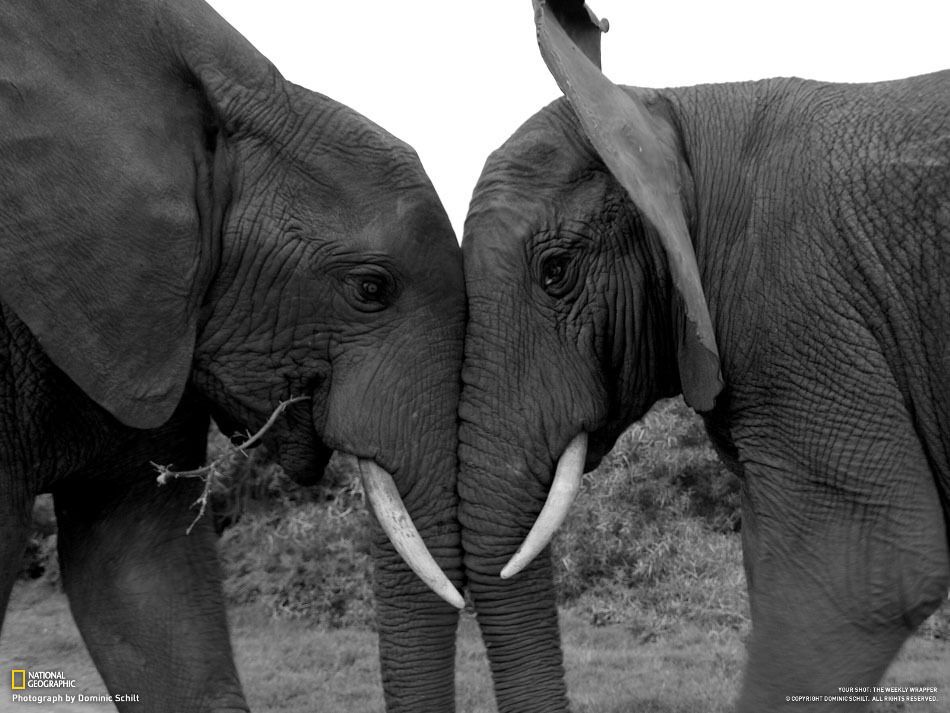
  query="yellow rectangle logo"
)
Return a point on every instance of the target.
[{"x": 18, "y": 680}]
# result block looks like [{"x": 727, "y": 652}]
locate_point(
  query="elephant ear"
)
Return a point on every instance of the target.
[
  {"x": 578, "y": 22},
  {"x": 99, "y": 243},
  {"x": 642, "y": 154}
]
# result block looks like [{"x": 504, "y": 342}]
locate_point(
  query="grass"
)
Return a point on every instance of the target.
[
  {"x": 609, "y": 670},
  {"x": 291, "y": 667}
]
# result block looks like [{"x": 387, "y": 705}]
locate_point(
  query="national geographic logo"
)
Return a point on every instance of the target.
[
  {"x": 52, "y": 687},
  {"x": 21, "y": 679}
]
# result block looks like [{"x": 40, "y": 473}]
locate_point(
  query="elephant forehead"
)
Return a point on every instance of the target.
[
  {"x": 548, "y": 150},
  {"x": 526, "y": 190},
  {"x": 505, "y": 217},
  {"x": 414, "y": 223},
  {"x": 494, "y": 238},
  {"x": 414, "y": 234}
]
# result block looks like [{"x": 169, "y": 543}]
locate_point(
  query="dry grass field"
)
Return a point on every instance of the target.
[{"x": 290, "y": 667}]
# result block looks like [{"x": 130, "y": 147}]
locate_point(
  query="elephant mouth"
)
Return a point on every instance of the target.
[
  {"x": 303, "y": 456},
  {"x": 564, "y": 489},
  {"x": 301, "y": 453}
]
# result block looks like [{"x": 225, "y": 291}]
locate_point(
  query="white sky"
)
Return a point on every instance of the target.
[{"x": 455, "y": 79}]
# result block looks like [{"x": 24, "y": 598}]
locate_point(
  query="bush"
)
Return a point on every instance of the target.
[
  {"x": 937, "y": 625},
  {"x": 254, "y": 477},
  {"x": 650, "y": 541},
  {"x": 302, "y": 553},
  {"x": 39, "y": 558},
  {"x": 301, "y": 562}
]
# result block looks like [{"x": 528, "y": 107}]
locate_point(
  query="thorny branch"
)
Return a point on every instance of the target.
[{"x": 211, "y": 472}]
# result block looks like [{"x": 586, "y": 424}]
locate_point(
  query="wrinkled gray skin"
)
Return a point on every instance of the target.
[
  {"x": 820, "y": 219},
  {"x": 173, "y": 212}
]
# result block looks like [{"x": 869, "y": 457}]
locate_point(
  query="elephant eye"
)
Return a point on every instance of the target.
[
  {"x": 369, "y": 291},
  {"x": 554, "y": 274}
]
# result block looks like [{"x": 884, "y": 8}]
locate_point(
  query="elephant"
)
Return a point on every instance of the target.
[
  {"x": 184, "y": 234},
  {"x": 776, "y": 251}
]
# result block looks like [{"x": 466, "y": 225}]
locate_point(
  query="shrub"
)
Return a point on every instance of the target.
[
  {"x": 937, "y": 625},
  {"x": 650, "y": 540},
  {"x": 301, "y": 562},
  {"x": 302, "y": 553},
  {"x": 255, "y": 478},
  {"x": 39, "y": 560}
]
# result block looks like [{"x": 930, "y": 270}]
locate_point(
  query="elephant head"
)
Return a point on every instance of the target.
[
  {"x": 174, "y": 211},
  {"x": 613, "y": 244},
  {"x": 549, "y": 256}
]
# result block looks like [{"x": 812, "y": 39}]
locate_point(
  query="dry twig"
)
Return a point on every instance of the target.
[{"x": 211, "y": 472}]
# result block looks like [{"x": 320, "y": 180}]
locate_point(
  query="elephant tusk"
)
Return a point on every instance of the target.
[
  {"x": 392, "y": 515},
  {"x": 567, "y": 481}
]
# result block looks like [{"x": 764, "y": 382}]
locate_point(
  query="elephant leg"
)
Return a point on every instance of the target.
[
  {"x": 145, "y": 595},
  {"x": 845, "y": 549},
  {"x": 14, "y": 530}
]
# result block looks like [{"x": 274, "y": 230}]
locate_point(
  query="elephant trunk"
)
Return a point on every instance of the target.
[
  {"x": 408, "y": 407},
  {"x": 417, "y": 627},
  {"x": 499, "y": 501}
]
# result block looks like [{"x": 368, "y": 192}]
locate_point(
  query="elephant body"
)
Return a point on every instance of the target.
[
  {"x": 184, "y": 233},
  {"x": 819, "y": 217},
  {"x": 832, "y": 310},
  {"x": 145, "y": 595}
]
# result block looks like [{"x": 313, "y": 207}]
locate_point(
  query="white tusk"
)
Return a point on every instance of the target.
[
  {"x": 384, "y": 498},
  {"x": 567, "y": 481}
]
